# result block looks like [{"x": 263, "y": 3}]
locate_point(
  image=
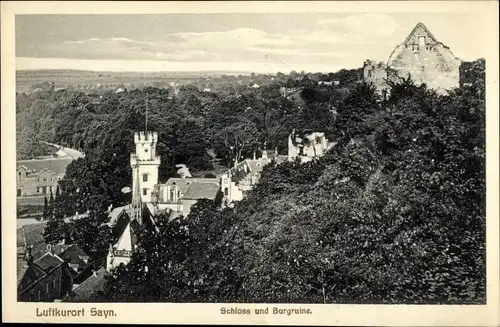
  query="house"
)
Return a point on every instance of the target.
[
  {"x": 31, "y": 247},
  {"x": 39, "y": 177},
  {"x": 29, "y": 237},
  {"x": 240, "y": 179},
  {"x": 179, "y": 194},
  {"x": 78, "y": 261},
  {"x": 89, "y": 287},
  {"x": 325, "y": 83},
  {"x": 45, "y": 280},
  {"x": 307, "y": 145},
  {"x": 421, "y": 56}
]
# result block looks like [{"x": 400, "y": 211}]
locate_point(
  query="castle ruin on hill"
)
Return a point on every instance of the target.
[{"x": 421, "y": 56}]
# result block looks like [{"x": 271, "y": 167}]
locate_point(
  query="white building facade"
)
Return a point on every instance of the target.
[{"x": 146, "y": 162}]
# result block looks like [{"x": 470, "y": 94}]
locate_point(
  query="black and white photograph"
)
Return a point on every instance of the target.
[{"x": 250, "y": 158}]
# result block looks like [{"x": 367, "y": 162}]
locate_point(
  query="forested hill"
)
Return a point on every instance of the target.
[{"x": 394, "y": 213}]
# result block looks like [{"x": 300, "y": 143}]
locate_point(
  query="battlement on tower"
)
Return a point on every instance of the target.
[
  {"x": 134, "y": 160},
  {"x": 140, "y": 137}
]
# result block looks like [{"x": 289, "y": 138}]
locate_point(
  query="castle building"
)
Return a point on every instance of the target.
[
  {"x": 137, "y": 216},
  {"x": 421, "y": 56},
  {"x": 150, "y": 198},
  {"x": 146, "y": 163},
  {"x": 179, "y": 194}
]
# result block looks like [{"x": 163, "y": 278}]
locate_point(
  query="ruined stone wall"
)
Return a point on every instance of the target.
[
  {"x": 432, "y": 64},
  {"x": 420, "y": 56},
  {"x": 375, "y": 72}
]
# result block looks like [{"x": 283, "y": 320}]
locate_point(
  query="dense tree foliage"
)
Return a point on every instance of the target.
[{"x": 394, "y": 213}]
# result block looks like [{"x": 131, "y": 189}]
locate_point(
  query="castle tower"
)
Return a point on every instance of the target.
[{"x": 144, "y": 163}]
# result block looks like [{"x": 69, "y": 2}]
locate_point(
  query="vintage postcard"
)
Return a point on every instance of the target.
[{"x": 293, "y": 163}]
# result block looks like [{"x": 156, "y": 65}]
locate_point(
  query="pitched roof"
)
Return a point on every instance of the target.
[
  {"x": 257, "y": 165},
  {"x": 22, "y": 266},
  {"x": 89, "y": 286},
  {"x": 30, "y": 276},
  {"x": 58, "y": 166},
  {"x": 72, "y": 254},
  {"x": 128, "y": 239},
  {"x": 183, "y": 183},
  {"x": 420, "y": 26},
  {"x": 116, "y": 213},
  {"x": 48, "y": 262},
  {"x": 201, "y": 191},
  {"x": 32, "y": 235}
]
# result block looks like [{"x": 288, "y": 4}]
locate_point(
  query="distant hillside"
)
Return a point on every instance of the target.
[{"x": 27, "y": 79}]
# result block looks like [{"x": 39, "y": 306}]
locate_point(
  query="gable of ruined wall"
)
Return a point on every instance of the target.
[
  {"x": 435, "y": 66},
  {"x": 419, "y": 31}
]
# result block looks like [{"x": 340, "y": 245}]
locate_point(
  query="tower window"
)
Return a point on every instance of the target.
[
  {"x": 144, "y": 177},
  {"x": 144, "y": 191}
]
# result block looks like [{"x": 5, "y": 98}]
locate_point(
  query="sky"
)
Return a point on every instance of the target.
[{"x": 267, "y": 43}]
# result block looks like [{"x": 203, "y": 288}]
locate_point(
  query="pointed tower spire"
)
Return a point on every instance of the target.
[{"x": 137, "y": 200}]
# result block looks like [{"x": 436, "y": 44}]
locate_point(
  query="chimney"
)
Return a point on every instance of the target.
[
  {"x": 254, "y": 157},
  {"x": 29, "y": 254},
  {"x": 50, "y": 248}
]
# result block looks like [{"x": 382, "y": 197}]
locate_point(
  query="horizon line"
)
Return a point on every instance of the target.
[{"x": 131, "y": 65}]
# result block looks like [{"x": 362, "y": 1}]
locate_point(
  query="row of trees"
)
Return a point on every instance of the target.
[{"x": 89, "y": 232}]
